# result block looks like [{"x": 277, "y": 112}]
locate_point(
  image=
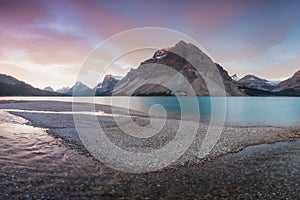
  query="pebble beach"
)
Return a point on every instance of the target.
[{"x": 251, "y": 161}]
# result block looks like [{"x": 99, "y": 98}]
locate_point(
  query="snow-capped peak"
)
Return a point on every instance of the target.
[
  {"x": 235, "y": 77},
  {"x": 63, "y": 89},
  {"x": 117, "y": 77},
  {"x": 273, "y": 82},
  {"x": 160, "y": 54}
]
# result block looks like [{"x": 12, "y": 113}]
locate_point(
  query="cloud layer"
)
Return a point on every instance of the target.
[{"x": 45, "y": 42}]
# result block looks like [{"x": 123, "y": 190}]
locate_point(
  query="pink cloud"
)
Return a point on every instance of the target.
[
  {"x": 96, "y": 18},
  {"x": 15, "y": 14},
  {"x": 209, "y": 17}
]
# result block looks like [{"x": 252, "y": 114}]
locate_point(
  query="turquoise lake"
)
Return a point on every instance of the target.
[{"x": 237, "y": 111}]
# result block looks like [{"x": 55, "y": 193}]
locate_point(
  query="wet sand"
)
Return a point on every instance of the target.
[{"x": 262, "y": 171}]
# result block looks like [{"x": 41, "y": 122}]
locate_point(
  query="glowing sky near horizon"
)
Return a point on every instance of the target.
[{"x": 45, "y": 42}]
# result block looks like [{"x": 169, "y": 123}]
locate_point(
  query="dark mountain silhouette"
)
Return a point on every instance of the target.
[{"x": 10, "y": 86}]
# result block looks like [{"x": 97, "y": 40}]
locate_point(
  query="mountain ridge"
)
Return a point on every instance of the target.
[
  {"x": 10, "y": 86},
  {"x": 154, "y": 78},
  {"x": 255, "y": 82},
  {"x": 288, "y": 87}
]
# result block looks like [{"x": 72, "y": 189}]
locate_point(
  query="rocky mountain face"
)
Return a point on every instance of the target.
[
  {"x": 291, "y": 83},
  {"x": 168, "y": 73},
  {"x": 254, "y": 82},
  {"x": 107, "y": 86},
  {"x": 290, "y": 87},
  {"x": 10, "y": 86}
]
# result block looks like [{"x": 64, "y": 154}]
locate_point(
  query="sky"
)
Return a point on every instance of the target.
[{"x": 45, "y": 43}]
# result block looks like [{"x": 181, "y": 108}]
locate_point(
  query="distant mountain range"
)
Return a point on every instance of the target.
[
  {"x": 104, "y": 88},
  {"x": 150, "y": 78},
  {"x": 289, "y": 87},
  {"x": 63, "y": 90},
  {"x": 254, "y": 82}
]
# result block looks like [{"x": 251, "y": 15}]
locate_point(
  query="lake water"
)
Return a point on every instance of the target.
[{"x": 240, "y": 111}]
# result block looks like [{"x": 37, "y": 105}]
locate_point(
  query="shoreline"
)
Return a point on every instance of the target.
[
  {"x": 264, "y": 171},
  {"x": 233, "y": 139}
]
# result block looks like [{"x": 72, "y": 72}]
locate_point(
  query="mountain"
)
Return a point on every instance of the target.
[
  {"x": 107, "y": 86},
  {"x": 80, "y": 89},
  {"x": 291, "y": 83},
  {"x": 49, "y": 89},
  {"x": 290, "y": 87},
  {"x": 10, "y": 86},
  {"x": 254, "y": 82},
  {"x": 63, "y": 90},
  {"x": 152, "y": 77}
]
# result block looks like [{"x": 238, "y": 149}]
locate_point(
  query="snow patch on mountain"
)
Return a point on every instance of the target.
[{"x": 235, "y": 77}]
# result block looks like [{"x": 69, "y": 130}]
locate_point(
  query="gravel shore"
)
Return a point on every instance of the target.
[{"x": 232, "y": 139}]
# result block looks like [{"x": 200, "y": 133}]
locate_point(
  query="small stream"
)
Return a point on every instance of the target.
[{"x": 31, "y": 161}]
